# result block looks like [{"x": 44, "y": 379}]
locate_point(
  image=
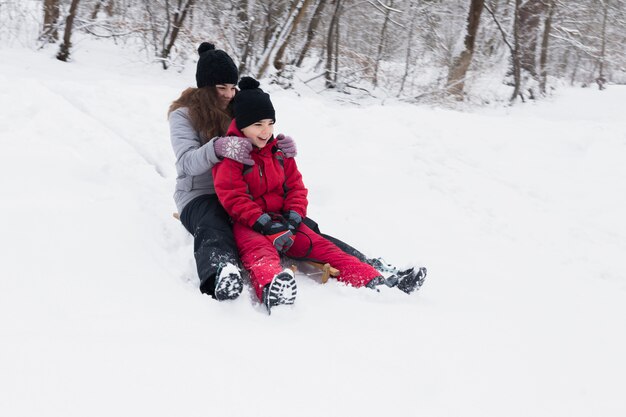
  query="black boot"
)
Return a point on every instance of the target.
[
  {"x": 228, "y": 283},
  {"x": 282, "y": 290},
  {"x": 410, "y": 279}
]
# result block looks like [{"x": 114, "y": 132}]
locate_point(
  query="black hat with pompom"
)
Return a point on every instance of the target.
[
  {"x": 251, "y": 104},
  {"x": 215, "y": 67}
]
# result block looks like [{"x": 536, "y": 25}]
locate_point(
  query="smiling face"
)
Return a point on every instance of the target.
[
  {"x": 259, "y": 132},
  {"x": 225, "y": 93}
]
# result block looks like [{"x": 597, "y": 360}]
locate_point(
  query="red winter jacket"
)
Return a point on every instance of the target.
[{"x": 272, "y": 185}]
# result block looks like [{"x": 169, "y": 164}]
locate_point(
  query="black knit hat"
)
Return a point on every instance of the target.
[
  {"x": 251, "y": 104},
  {"x": 215, "y": 67}
]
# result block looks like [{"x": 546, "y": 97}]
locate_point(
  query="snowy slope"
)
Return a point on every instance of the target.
[{"x": 517, "y": 213}]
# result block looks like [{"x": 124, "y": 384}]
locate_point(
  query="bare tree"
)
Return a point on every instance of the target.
[
  {"x": 543, "y": 60},
  {"x": 411, "y": 36},
  {"x": 332, "y": 47},
  {"x": 527, "y": 32},
  {"x": 383, "y": 36},
  {"x": 311, "y": 30},
  {"x": 51, "y": 12},
  {"x": 244, "y": 35},
  {"x": 513, "y": 48},
  {"x": 64, "y": 49},
  {"x": 299, "y": 14},
  {"x": 174, "y": 24},
  {"x": 108, "y": 8},
  {"x": 458, "y": 71},
  {"x": 602, "y": 58},
  {"x": 277, "y": 43}
]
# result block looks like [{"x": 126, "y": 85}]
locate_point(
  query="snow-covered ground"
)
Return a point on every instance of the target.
[{"x": 518, "y": 214}]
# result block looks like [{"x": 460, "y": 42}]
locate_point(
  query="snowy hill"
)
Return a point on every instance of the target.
[{"x": 517, "y": 213}]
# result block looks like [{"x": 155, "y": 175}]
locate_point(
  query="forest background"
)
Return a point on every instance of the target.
[{"x": 470, "y": 51}]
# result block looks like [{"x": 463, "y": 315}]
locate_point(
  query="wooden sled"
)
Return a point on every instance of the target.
[{"x": 327, "y": 270}]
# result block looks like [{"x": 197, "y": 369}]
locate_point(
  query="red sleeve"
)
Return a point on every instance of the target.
[
  {"x": 296, "y": 192},
  {"x": 232, "y": 192}
]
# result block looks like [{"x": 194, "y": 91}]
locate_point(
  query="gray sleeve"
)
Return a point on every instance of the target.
[{"x": 192, "y": 158}]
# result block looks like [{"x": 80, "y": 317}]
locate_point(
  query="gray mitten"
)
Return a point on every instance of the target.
[
  {"x": 293, "y": 220},
  {"x": 287, "y": 145},
  {"x": 277, "y": 232},
  {"x": 235, "y": 148}
]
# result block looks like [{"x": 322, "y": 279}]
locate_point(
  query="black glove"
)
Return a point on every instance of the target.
[
  {"x": 276, "y": 231},
  {"x": 293, "y": 220}
]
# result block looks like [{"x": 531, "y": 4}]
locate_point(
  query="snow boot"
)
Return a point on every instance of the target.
[
  {"x": 282, "y": 290},
  {"x": 228, "y": 283},
  {"x": 376, "y": 281},
  {"x": 382, "y": 266},
  {"x": 411, "y": 279}
]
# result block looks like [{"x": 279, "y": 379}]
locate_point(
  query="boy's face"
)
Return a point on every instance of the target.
[{"x": 260, "y": 132}]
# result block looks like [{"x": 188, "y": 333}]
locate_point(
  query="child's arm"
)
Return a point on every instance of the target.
[
  {"x": 232, "y": 192},
  {"x": 296, "y": 192}
]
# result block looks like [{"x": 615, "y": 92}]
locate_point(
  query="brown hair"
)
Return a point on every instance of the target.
[{"x": 206, "y": 116}]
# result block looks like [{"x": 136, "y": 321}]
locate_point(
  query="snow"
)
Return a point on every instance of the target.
[{"x": 517, "y": 213}]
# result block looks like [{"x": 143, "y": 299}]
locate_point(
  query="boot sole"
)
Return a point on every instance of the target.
[{"x": 282, "y": 290}]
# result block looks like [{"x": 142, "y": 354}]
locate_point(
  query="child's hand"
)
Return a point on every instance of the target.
[
  {"x": 293, "y": 219},
  {"x": 235, "y": 148},
  {"x": 287, "y": 145},
  {"x": 277, "y": 232}
]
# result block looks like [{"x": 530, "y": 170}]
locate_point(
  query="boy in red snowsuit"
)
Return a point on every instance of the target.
[{"x": 267, "y": 202}]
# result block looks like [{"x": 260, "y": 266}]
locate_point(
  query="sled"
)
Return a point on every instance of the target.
[{"x": 327, "y": 270}]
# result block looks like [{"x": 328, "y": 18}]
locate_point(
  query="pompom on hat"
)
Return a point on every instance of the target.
[
  {"x": 214, "y": 67},
  {"x": 251, "y": 104}
]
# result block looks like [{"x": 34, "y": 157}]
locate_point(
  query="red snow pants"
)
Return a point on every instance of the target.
[{"x": 262, "y": 260}]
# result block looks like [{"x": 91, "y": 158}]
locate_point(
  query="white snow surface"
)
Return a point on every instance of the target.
[{"x": 517, "y": 212}]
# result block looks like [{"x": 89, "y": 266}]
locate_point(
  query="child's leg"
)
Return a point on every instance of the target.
[
  {"x": 258, "y": 256},
  {"x": 351, "y": 270}
]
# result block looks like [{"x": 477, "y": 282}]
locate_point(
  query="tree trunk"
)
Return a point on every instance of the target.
[
  {"x": 299, "y": 14},
  {"x": 96, "y": 9},
  {"x": 330, "y": 46},
  {"x": 311, "y": 31},
  {"x": 64, "y": 49},
  {"x": 110, "y": 8},
  {"x": 244, "y": 36},
  {"x": 601, "y": 80},
  {"x": 51, "y": 12},
  {"x": 98, "y": 6},
  {"x": 515, "y": 56},
  {"x": 456, "y": 77},
  {"x": 279, "y": 40},
  {"x": 407, "y": 61},
  {"x": 528, "y": 17},
  {"x": 381, "y": 43},
  {"x": 543, "y": 62},
  {"x": 176, "y": 23},
  {"x": 513, "y": 48}
]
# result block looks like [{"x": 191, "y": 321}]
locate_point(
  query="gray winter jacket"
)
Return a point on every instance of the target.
[{"x": 194, "y": 161}]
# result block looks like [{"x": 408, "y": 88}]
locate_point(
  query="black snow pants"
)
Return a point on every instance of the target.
[
  {"x": 341, "y": 245},
  {"x": 214, "y": 243}
]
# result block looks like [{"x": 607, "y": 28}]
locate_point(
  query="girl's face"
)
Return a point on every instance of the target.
[
  {"x": 260, "y": 132},
  {"x": 225, "y": 93}
]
